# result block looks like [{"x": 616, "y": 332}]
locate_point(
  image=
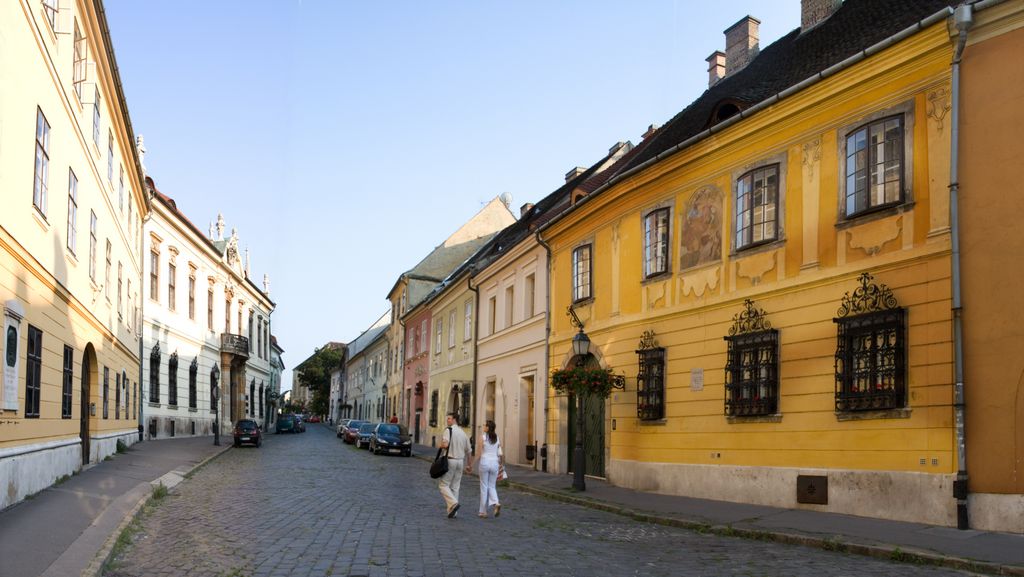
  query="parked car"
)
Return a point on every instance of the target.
[
  {"x": 351, "y": 432},
  {"x": 391, "y": 438},
  {"x": 365, "y": 430},
  {"x": 342, "y": 425},
  {"x": 314, "y": 419},
  {"x": 286, "y": 424},
  {"x": 300, "y": 424},
  {"x": 248, "y": 431}
]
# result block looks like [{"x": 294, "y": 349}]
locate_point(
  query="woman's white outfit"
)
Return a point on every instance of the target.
[{"x": 490, "y": 463}]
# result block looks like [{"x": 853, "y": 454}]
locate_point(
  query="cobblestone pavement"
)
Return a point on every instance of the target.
[{"x": 310, "y": 505}]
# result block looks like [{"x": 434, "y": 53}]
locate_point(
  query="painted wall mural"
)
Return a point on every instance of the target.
[{"x": 702, "y": 228}]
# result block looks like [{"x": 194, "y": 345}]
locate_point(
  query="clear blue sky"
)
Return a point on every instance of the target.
[{"x": 346, "y": 139}]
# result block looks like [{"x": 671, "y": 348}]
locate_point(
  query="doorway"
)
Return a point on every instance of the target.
[{"x": 83, "y": 425}]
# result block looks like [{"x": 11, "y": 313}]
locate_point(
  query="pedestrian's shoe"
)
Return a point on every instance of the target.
[
  {"x": 497, "y": 509},
  {"x": 482, "y": 515},
  {"x": 453, "y": 512}
]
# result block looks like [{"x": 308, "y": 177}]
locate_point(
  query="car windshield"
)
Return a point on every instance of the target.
[
  {"x": 356, "y": 424},
  {"x": 285, "y": 419},
  {"x": 391, "y": 430},
  {"x": 246, "y": 424},
  {"x": 366, "y": 428}
]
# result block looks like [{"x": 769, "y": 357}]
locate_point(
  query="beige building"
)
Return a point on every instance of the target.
[{"x": 71, "y": 188}]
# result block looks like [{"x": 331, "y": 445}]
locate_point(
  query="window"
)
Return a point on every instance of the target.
[
  {"x": 110, "y": 157},
  {"x": 581, "y": 273},
  {"x": 154, "y": 374},
  {"x": 192, "y": 296},
  {"x": 117, "y": 395},
  {"x": 870, "y": 357},
  {"x": 227, "y": 315},
  {"x": 80, "y": 52},
  {"x": 656, "y": 242},
  {"x": 467, "y": 327},
  {"x": 492, "y": 314},
  {"x": 69, "y": 373},
  {"x": 72, "y": 211},
  {"x": 172, "y": 275},
  {"x": 33, "y": 372},
  {"x": 106, "y": 392},
  {"x": 106, "y": 276},
  {"x": 92, "y": 246},
  {"x": 172, "y": 380},
  {"x": 96, "y": 119},
  {"x": 451, "y": 329},
  {"x": 757, "y": 195},
  {"x": 120, "y": 189},
  {"x": 50, "y": 7},
  {"x": 752, "y": 365},
  {"x": 437, "y": 339},
  {"x": 510, "y": 301},
  {"x": 120, "y": 282},
  {"x": 433, "y": 408},
  {"x": 239, "y": 325},
  {"x": 464, "y": 406},
  {"x": 530, "y": 296},
  {"x": 650, "y": 379},
  {"x": 124, "y": 385},
  {"x": 209, "y": 308},
  {"x": 42, "y": 165},
  {"x": 413, "y": 345},
  {"x": 874, "y": 165}
]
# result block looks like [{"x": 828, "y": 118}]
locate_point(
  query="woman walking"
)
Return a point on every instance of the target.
[{"x": 491, "y": 461}]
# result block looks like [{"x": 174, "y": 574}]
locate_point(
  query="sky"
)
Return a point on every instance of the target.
[{"x": 345, "y": 140}]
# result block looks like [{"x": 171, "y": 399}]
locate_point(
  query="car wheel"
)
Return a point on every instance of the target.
[
  {"x": 408, "y": 453},
  {"x": 259, "y": 443}
]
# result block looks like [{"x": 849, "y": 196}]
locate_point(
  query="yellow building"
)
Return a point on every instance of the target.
[
  {"x": 71, "y": 188},
  {"x": 770, "y": 272}
]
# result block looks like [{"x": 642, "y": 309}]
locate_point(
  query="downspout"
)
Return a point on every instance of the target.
[
  {"x": 963, "y": 19},
  {"x": 476, "y": 354},
  {"x": 543, "y": 454}
]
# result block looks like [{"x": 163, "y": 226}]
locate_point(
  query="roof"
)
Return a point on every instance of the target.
[
  {"x": 854, "y": 27},
  {"x": 369, "y": 336}
]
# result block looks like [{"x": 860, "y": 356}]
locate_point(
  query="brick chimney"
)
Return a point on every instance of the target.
[
  {"x": 813, "y": 12},
  {"x": 650, "y": 131},
  {"x": 574, "y": 173},
  {"x": 716, "y": 67},
  {"x": 741, "y": 44}
]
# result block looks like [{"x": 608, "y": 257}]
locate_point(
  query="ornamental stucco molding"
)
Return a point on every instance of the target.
[{"x": 871, "y": 237}]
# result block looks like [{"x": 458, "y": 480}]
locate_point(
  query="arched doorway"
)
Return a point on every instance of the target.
[
  {"x": 593, "y": 429},
  {"x": 88, "y": 366}
]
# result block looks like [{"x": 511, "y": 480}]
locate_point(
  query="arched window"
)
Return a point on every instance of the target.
[
  {"x": 172, "y": 380},
  {"x": 193, "y": 371},
  {"x": 154, "y": 374}
]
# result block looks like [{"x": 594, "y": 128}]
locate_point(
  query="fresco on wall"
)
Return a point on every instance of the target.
[{"x": 702, "y": 228}]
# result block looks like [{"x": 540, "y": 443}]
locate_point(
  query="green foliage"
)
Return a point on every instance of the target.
[
  {"x": 584, "y": 381},
  {"x": 315, "y": 375},
  {"x": 121, "y": 447},
  {"x": 159, "y": 492}
]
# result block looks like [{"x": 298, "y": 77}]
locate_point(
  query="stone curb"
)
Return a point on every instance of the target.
[{"x": 95, "y": 567}]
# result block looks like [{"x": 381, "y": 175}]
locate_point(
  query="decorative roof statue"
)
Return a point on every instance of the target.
[
  {"x": 266, "y": 284},
  {"x": 220, "y": 227},
  {"x": 140, "y": 146},
  {"x": 231, "y": 250},
  {"x": 211, "y": 230}
]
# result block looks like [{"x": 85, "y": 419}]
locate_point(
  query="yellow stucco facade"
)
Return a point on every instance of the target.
[{"x": 895, "y": 463}]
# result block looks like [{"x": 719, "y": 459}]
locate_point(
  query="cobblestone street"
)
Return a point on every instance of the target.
[{"x": 310, "y": 505}]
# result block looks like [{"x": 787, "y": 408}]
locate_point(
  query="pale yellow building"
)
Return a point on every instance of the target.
[{"x": 72, "y": 198}]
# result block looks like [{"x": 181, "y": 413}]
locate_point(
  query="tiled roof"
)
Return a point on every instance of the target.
[{"x": 854, "y": 27}]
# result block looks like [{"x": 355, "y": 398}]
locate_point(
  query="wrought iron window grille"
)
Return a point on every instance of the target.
[
  {"x": 154, "y": 374},
  {"x": 433, "y": 408},
  {"x": 650, "y": 379},
  {"x": 172, "y": 380},
  {"x": 752, "y": 365},
  {"x": 870, "y": 361}
]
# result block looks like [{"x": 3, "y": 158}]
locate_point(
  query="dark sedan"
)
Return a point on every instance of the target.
[
  {"x": 365, "y": 430},
  {"x": 391, "y": 438},
  {"x": 351, "y": 432},
  {"x": 248, "y": 431}
]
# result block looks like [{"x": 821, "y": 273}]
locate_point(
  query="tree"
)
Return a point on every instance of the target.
[{"x": 315, "y": 375}]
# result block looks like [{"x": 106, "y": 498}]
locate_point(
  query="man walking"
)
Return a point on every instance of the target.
[{"x": 457, "y": 443}]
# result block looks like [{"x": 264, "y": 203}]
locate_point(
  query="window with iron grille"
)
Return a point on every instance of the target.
[
  {"x": 874, "y": 165},
  {"x": 42, "y": 163},
  {"x": 433, "y": 408},
  {"x": 106, "y": 392},
  {"x": 465, "y": 405},
  {"x": 193, "y": 372},
  {"x": 117, "y": 395},
  {"x": 870, "y": 362},
  {"x": 752, "y": 365},
  {"x": 757, "y": 197},
  {"x": 650, "y": 379},
  {"x": 172, "y": 380},
  {"x": 154, "y": 374},
  {"x": 656, "y": 242},
  {"x": 33, "y": 372},
  {"x": 581, "y": 273},
  {"x": 69, "y": 369}
]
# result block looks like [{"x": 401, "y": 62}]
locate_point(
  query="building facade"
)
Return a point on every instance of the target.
[
  {"x": 770, "y": 277},
  {"x": 205, "y": 323},
  {"x": 71, "y": 188}
]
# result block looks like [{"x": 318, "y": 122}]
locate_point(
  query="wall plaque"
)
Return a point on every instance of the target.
[{"x": 696, "y": 379}]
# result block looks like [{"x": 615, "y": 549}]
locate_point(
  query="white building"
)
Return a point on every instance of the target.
[
  {"x": 204, "y": 321},
  {"x": 366, "y": 376}
]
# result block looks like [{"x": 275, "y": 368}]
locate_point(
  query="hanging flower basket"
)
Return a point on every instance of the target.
[{"x": 584, "y": 381}]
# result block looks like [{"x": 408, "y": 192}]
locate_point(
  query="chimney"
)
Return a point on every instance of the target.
[
  {"x": 716, "y": 67},
  {"x": 525, "y": 209},
  {"x": 574, "y": 173},
  {"x": 814, "y": 12},
  {"x": 650, "y": 130},
  {"x": 740, "y": 44}
]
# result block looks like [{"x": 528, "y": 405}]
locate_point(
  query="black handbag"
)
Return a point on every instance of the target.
[{"x": 440, "y": 465}]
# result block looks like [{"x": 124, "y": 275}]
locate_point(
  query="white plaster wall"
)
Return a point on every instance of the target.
[
  {"x": 901, "y": 496},
  {"x": 33, "y": 468},
  {"x": 992, "y": 512}
]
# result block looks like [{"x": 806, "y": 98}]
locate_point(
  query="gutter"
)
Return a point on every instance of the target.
[
  {"x": 547, "y": 352},
  {"x": 476, "y": 349},
  {"x": 770, "y": 101}
]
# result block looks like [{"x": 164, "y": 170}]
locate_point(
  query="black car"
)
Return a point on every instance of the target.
[
  {"x": 391, "y": 438},
  {"x": 365, "y": 431},
  {"x": 248, "y": 431}
]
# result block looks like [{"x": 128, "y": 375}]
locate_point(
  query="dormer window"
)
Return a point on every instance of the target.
[{"x": 725, "y": 110}]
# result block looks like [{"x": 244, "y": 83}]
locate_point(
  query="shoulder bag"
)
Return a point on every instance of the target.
[{"x": 440, "y": 465}]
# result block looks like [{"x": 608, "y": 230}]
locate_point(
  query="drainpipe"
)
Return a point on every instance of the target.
[
  {"x": 963, "y": 19},
  {"x": 542, "y": 455},
  {"x": 476, "y": 354}
]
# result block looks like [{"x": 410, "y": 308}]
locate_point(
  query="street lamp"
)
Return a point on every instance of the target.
[
  {"x": 215, "y": 392},
  {"x": 581, "y": 349}
]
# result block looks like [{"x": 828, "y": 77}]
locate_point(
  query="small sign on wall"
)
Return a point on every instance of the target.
[
  {"x": 697, "y": 379},
  {"x": 13, "y": 313}
]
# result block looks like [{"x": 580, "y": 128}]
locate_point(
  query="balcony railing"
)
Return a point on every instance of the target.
[{"x": 234, "y": 344}]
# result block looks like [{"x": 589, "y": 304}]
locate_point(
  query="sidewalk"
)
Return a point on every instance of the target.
[
  {"x": 62, "y": 530},
  {"x": 981, "y": 551}
]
